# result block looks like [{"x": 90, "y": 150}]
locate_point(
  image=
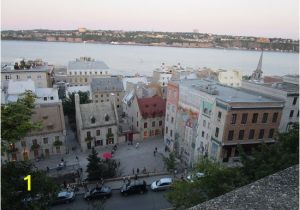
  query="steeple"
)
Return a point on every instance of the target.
[{"x": 257, "y": 74}]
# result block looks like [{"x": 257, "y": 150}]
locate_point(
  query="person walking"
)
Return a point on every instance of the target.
[{"x": 154, "y": 153}]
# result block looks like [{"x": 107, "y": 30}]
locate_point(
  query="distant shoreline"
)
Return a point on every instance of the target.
[{"x": 153, "y": 45}]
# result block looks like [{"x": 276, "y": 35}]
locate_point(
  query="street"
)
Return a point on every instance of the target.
[{"x": 148, "y": 201}]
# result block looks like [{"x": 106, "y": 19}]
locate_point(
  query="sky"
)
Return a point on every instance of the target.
[{"x": 262, "y": 18}]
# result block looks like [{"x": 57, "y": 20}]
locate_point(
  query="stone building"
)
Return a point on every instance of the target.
[
  {"x": 81, "y": 71},
  {"x": 97, "y": 124},
  {"x": 101, "y": 89},
  {"x": 47, "y": 141}
]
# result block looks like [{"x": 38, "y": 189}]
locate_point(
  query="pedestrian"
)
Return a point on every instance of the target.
[
  {"x": 48, "y": 169},
  {"x": 155, "y": 149},
  {"x": 137, "y": 145},
  {"x": 166, "y": 148},
  {"x": 154, "y": 153},
  {"x": 77, "y": 158},
  {"x": 62, "y": 160},
  {"x": 136, "y": 177},
  {"x": 137, "y": 170},
  {"x": 124, "y": 179},
  {"x": 132, "y": 171}
]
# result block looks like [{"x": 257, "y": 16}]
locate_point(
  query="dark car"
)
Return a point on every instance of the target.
[
  {"x": 64, "y": 197},
  {"x": 134, "y": 187},
  {"x": 98, "y": 193}
]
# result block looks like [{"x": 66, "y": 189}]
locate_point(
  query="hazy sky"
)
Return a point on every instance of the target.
[{"x": 268, "y": 18}]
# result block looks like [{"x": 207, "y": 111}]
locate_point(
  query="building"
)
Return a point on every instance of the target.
[
  {"x": 129, "y": 83},
  {"x": 81, "y": 71},
  {"x": 212, "y": 119},
  {"x": 101, "y": 89},
  {"x": 76, "y": 89},
  {"x": 97, "y": 124},
  {"x": 47, "y": 141},
  {"x": 40, "y": 72},
  {"x": 285, "y": 91},
  {"x": 17, "y": 88},
  {"x": 146, "y": 115},
  {"x": 230, "y": 77}
]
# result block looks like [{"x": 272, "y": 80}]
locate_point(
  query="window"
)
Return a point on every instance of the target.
[
  {"x": 166, "y": 129},
  {"x": 172, "y": 120},
  {"x": 230, "y": 135},
  {"x": 75, "y": 73},
  {"x": 118, "y": 106},
  {"x": 275, "y": 116},
  {"x": 109, "y": 130},
  {"x": 80, "y": 73},
  {"x": 106, "y": 118},
  {"x": 93, "y": 120},
  {"x": 85, "y": 79},
  {"x": 96, "y": 95},
  {"x": 202, "y": 134},
  {"x": 171, "y": 133},
  {"x": 52, "y": 98},
  {"x": 217, "y": 132},
  {"x": 244, "y": 118},
  {"x": 291, "y": 113},
  {"x": 45, "y": 98},
  {"x": 98, "y": 132},
  {"x": 233, "y": 118},
  {"x": 101, "y": 95},
  {"x": 137, "y": 124},
  {"x": 204, "y": 123},
  {"x": 56, "y": 138},
  {"x": 295, "y": 100},
  {"x": 265, "y": 118},
  {"x": 145, "y": 125},
  {"x": 271, "y": 133},
  {"x": 160, "y": 123},
  {"x": 28, "y": 76},
  {"x": 23, "y": 143},
  {"x": 251, "y": 134},
  {"x": 88, "y": 133},
  {"x": 17, "y": 76},
  {"x": 241, "y": 134},
  {"x": 34, "y": 141},
  {"x": 153, "y": 124},
  {"x": 85, "y": 72},
  {"x": 219, "y": 115},
  {"x": 45, "y": 140},
  {"x": 254, "y": 118},
  {"x": 261, "y": 134}
]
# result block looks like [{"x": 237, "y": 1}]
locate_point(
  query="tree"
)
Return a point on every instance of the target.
[
  {"x": 14, "y": 189},
  {"x": 94, "y": 166},
  {"x": 170, "y": 161},
  {"x": 16, "y": 119},
  {"x": 69, "y": 106}
]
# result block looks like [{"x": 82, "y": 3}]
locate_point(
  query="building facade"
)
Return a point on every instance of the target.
[
  {"x": 97, "y": 124},
  {"x": 47, "y": 141},
  {"x": 230, "y": 77},
  {"x": 81, "y": 71}
]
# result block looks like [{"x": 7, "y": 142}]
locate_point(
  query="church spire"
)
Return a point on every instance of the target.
[{"x": 257, "y": 74}]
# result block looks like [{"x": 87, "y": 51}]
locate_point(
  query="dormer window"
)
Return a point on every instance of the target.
[
  {"x": 93, "y": 120},
  {"x": 106, "y": 118}
]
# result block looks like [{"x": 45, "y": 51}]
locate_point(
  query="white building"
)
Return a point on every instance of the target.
[{"x": 230, "y": 77}]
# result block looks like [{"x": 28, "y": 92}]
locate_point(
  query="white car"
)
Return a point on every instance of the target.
[
  {"x": 161, "y": 184},
  {"x": 192, "y": 177}
]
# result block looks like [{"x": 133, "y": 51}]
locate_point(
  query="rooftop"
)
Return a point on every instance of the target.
[
  {"x": 134, "y": 80},
  {"x": 86, "y": 65},
  {"x": 18, "y": 87},
  {"x": 277, "y": 191},
  {"x": 152, "y": 107},
  {"x": 99, "y": 111},
  {"x": 107, "y": 84},
  {"x": 284, "y": 86}
]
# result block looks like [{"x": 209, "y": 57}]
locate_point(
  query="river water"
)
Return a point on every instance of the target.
[{"x": 128, "y": 60}]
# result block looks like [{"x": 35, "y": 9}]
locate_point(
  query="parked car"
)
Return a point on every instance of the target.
[
  {"x": 162, "y": 184},
  {"x": 98, "y": 193},
  {"x": 134, "y": 187},
  {"x": 63, "y": 197},
  {"x": 192, "y": 177}
]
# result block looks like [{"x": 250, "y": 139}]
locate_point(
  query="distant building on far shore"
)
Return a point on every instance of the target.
[{"x": 82, "y": 30}]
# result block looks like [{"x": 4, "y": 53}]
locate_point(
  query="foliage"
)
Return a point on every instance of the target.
[
  {"x": 69, "y": 105},
  {"x": 170, "y": 161},
  {"x": 57, "y": 143},
  {"x": 218, "y": 179},
  {"x": 14, "y": 188},
  {"x": 268, "y": 159},
  {"x": 16, "y": 119},
  {"x": 98, "y": 168}
]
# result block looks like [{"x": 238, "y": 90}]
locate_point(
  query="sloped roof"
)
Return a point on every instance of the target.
[
  {"x": 152, "y": 107},
  {"x": 107, "y": 84},
  {"x": 86, "y": 65}
]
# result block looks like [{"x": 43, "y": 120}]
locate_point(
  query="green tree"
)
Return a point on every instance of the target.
[
  {"x": 14, "y": 188},
  {"x": 69, "y": 106},
  {"x": 16, "y": 119},
  {"x": 170, "y": 161},
  {"x": 94, "y": 166}
]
